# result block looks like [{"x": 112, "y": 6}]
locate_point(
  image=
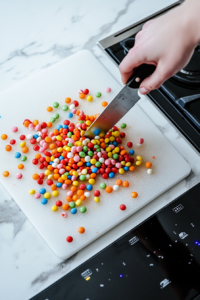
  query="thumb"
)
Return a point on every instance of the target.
[{"x": 154, "y": 81}]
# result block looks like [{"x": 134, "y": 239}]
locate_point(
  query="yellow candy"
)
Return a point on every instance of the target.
[
  {"x": 60, "y": 149},
  {"x": 123, "y": 163},
  {"x": 107, "y": 140},
  {"x": 22, "y": 144},
  {"x": 82, "y": 132},
  {"x": 116, "y": 149},
  {"x": 128, "y": 164},
  {"x": 75, "y": 173},
  {"x": 109, "y": 154},
  {"x": 84, "y": 171},
  {"x": 65, "y": 148},
  {"x": 96, "y": 199},
  {"x": 78, "y": 202},
  {"x": 121, "y": 171},
  {"x": 93, "y": 161},
  {"x": 116, "y": 133},
  {"x": 59, "y": 138},
  {"x": 50, "y": 176},
  {"x": 47, "y": 195},
  {"x": 112, "y": 139},
  {"x": 47, "y": 172},
  {"x": 91, "y": 181},
  {"x": 97, "y": 142},
  {"x": 55, "y": 193},
  {"x": 89, "y": 98},
  {"x": 52, "y": 158},
  {"x": 79, "y": 143},
  {"x": 64, "y": 177},
  {"x": 32, "y": 192},
  {"x": 88, "y": 122},
  {"x": 101, "y": 135},
  {"x": 139, "y": 158},
  {"x": 93, "y": 142},
  {"x": 54, "y": 208},
  {"x": 138, "y": 163},
  {"x": 75, "y": 183},
  {"x": 108, "y": 149}
]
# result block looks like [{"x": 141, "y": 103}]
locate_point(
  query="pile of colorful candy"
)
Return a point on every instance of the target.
[{"x": 69, "y": 159}]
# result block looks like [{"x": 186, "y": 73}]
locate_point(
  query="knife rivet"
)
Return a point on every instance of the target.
[{"x": 137, "y": 79}]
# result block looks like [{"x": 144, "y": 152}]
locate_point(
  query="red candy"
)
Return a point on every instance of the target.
[
  {"x": 122, "y": 207},
  {"x": 122, "y": 134},
  {"x": 69, "y": 239},
  {"x": 96, "y": 193},
  {"x": 12, "y": 142},
  {"x": 141, "y": 141},
  {"x": 86, "y": 91},
  {"x": 35, "y": 161},
  {"x": 40, "y": 181},
  {"x": 49, "y": 182},
  {"x": 76, "y": 103},
  {"x": 33, "y": 141},
  {"x": 22, "y": 137},
  {"x": 129, "y": 144},
  {"x": 58, "y": 203},
  {"x": 105, "y": 176},
  {"x": 82, "y": 186},
  {"x": 36, "y": 148}
]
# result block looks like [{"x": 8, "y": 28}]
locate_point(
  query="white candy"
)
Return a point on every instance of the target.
[
  {"x": 149, "y": 171},
  {"x": 29, "y": 136},
  {"x": 56, "y": 160},
  {"x": 87, "y": 194},
  {"x": 70, "y": 155},
  {"x": 99, "y": 154},
  {"x": 87, "y": 176},
  {"x": 72, "y": 106},
  {"x": 115, "y": 187},
  {"x": 84, "y": 171},
  {"x": 87, "y": 140},
  {"x": 139, "y": 145},
  {"x": 39, "y": 133},
  {"x": 87, "y": 158},
  {"x": 84, "y": 143},
  {"x": 54, "y": 165},
  {"x": 38, "y": 139},
  {"x": 101, "y": 159},
  {"x": 97, "y": 137}
]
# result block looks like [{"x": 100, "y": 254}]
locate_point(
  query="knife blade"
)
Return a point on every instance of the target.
[{"x": 121, "y": 104}]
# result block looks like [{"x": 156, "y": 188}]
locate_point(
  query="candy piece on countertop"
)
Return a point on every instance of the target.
[
  {"x": 109, "y": 189},
  {"x": 104, "y": 103},
  {"x": 44, "y": 201},
  {"x": 12, "y": 142},
  {"x": 65, "y": 108},
  {"x": 4, "y": 136},
  {"x": 55, "y": 104},
  {"x": 64, "y": 214},
  {"x": 81, "y": 230},
  {"x": 148, "y": 164},
  {"x": 115, "y": 187},
  {"x": 102, "y": 185},
  {"x": 86, "y": 91},
  {"x": 118, "y": 182},
  {"x": 134, "y": 195},
  {"x": 49, "y": 108},
  {"x": 81, "y": 95},
  {"x": 83, "y": 209},
  {"x": 126, "y": 184},
  {"x": 6, "y": 173},
  {"x": 17, "y": 155},
  {"x": 69, "y": 239},
  {"x": 14, "y": 129},
  {"x": 73, "y": 211},
  {"x": 123, "y": 125},
  {"x": 97, "y": 193},
  {"x": 97, "y": 199},
  {"x": 47, "y": 195},
  {"x": 20, "y": 166},
  {"x": 149, "y": 171},
  {"x": 153, "y": 157},
  {"x": 42, "y": 191},
  {"x": 18, "y": 175},
  {"x": 89, "y": 98},
  {"x": 122, "y": 207},
  {"x": 24, "y": 158},
  {"x": 8, "y": 148},
  {"x": 141, "y": 141},
  {"x": 31, "y": 192},
  {"x": 131, "y": 152},
  {"x": 108, "y": 90},
  {"x": 37, "y": 195},
  {"x": 98, "y": 94},
  {"x": 129, "y": 144},
  {"x": 54, "y": 208},
  {"x": 138, "y": 163}
]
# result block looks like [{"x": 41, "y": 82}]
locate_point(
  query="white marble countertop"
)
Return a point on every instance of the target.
[{"x": 35, "y": 35}]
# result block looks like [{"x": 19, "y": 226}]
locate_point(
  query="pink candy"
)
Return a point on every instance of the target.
[
  {"x": 73, "y": 178},
  {"x": 64, "y": 186},
  {"x": 14, "y": 129},
  {"x": 73, "y": 149},
  {"x": 42, "y": 149},
  {"x": 70, "y": 193},
  {"x": 108, "y": 162},
  {"x": 18, "y": 175},
  {"x": 62, "y": 171},
  {"x": 113, "y": 161},
  {"x": 37, "y": 195},
  {"x": 108, "y": 90},
  {"x": 64, "y": 214},
  {"x": 118, "y": 165},
  {"x": 79, "y": 148},
  {"x": 53, "y": 138},
  {"x": 31, "y": 126},
  {"x": 76, "y": 158},
  {"x": 51, "y": 134},
  {"x": 44, "y": 130},
  {"x": 37, "y": 127},
  {"x": 74, "y": 110}
]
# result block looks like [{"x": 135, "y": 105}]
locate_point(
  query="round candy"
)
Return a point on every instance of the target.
[
  {"x": 14, "y": 129},
  {"x": 22, "y": 137},
  {"x": 97, "y": 199},
  {"x": 148, "y": 164},
  {"x": 102, "y": 185},
  {"x": 6, "y": 173},
  {"x": 47, "y": 195},
  {"x": 65, "y": 107},
  {"x": 109, "y": 189},
  {"x": 122, "y": 207},
  {"x": 104, "y": 103},
  {"x": 12, "y": 142},
  {"x": 67, "y": 100},
  {"x": 37, "y": 195},
  {"x": 64, "y": 214},
  {"x": 58, "y": 203},
  {"x": 42, "y": 191},
  {"x": 96, "y": 193},
  {"x": 69, "y": 239},
  {"x": 55, "y": 104},
  {"x": 18, "y": 175},
  {"x": 130, "y": 144},
  {"x": 44, "y": 201},
  {"x": 56, "y": 116},
  {"x": 89, "y": 98},
  {"x": 89, "y": 187},
  {"x": 115, "y": 187},
  {"x": 123, "y": 125},
  {"x": 98, "y": 95},
  {"x": 149, "y": 171},
  {"x": 73, "y": 211},
  {"x": 131, "y": 152},
  {"x": 54, "y": 208},
  {"x": 20, "y": 166},
  {"x": 125, "y": 183},
  {"x": 4, "y": 136},
  {"x": 134, "y": 195},
  {"x": 83, "y": 209},
  {"x": 108, "y": 90},
  {"x": 55, "y": 193},
  {"x": 141, "y": 141},
  {"x": 70, "y": 115},
  {"x": 52, "y": 119},
  {"x": 81, "y": 230},
  {"x": 31, "y": 192},
  {"x": 72, "y": 204},
  {"x": 8, "y": 148},
  {"x": 17, "y": 155},
  {"x": 49, "y": 108},
  {"x": 24, "y": 158}
]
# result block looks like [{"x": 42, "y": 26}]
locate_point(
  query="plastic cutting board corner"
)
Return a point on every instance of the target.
[{"x": 29, "y": 100}]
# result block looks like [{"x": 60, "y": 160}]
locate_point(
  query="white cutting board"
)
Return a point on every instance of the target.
[{"x": 29, "y": 100}]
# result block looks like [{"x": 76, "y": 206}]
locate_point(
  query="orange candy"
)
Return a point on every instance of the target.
[
  {"x": 25, "y": 149},
  {"x": 48, "y": 139},
  {"x": 123, "y": 152},
  {"x": 4, "y": 136},
  {"x": 20, "y": 166},
  {"x": 134, "y": 195},
  {"x": 153, "y": 157},
  {"x": 81, "y": 230},
  {"x": 35, "y": 122},
  {"x": 73, "y": 188},
  {"x": 132, "y": 168},
  {"x": 75, "y": 197},
  {"x": 104, "y": 103},
  {"x": 69, "y": 199},
  {"x": 49, "y": 124},
  {"x": 8, "y": 148},
  {"x": 83, "y": 197},
  {"x": 53, "y": 187},
  {"x": 49, "y": 108},
  {"x": 35, "y": 176},
  {"x": 125, "y": 183},
  {"x": 6, "y": 173},
  {"x": 37, "y": 156},
  {"x": 65, "y": 206},
  {"x": 118, "y": 182},
  {"x": 82, "y": 96},
  {"x": 26, "y": 123},
  {"x": 148, "y": 164},
  {"x": 109, "y": 189},
  {"x": 67, "y": 100},
  {"x": 80, "y": 193}
]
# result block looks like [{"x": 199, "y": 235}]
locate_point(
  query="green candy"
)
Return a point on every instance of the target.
[
  {"x": 65, "y": 107},
  {"x": 82, "y": 154},
  {"x": 70, "y": 145},
  {"x": 56, "y": 116},
  {"x": 123, "y": 125},
  {"x": 66, "y": 173},
  {"x": 83, "y": 209},
  {"x": 82, "y": 177},
  {"x": 55, "y": 104},
  {"x": 85, "y": 148},
  {"x": 52, "y": 120},
  {"x": 90, "y": 153},
  {"x": 69, "y": 134},
  {"x": 98, "y": 95},
  {"x": 23, "y": 158},
  {"x": 81, "y": 121},
  {"x": 72, "y": 204},
  {"x": 98, "y": 164},
  {"x": 98, "y": 149},
  {"x": 115, "y": 156},
  {"x": 96, "y": 146},
  {"x": 102, "y": 185}
]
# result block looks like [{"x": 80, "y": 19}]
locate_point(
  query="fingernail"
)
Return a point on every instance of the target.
[{"x": 143, "y": 90}]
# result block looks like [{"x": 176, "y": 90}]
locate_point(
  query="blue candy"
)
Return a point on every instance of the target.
[
  {"x": 51, "y": 162},
  {"x": 73, "y": 211},
  {"x": 61, "y": 157},
  {"x": 35, "y": 136},
  {"x": 94, "y": 170},
  {"x": 88, "y": 164},
  {"x": 70, "y": 115},
  {"x": 44, "y": 201},
  {"x": 115, "y": 143},
  {"x": 42, "y": 191},
  {"x": 131, "y": 152},
  {"x": 111, "y": 174},
  {"x": 126, "y": 168},
  {"x": 58, "y": 184},
  {"x": 17, "y": 155},
  {"x": 89, "y": 187},
  {"x": 96, "y": 131},
  {"x": 69, "y": 177},
  {"x": 59, "y": 126},
  {"x": 65, "y": 126}
]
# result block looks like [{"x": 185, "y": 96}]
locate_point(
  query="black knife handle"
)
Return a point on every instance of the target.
[{"x": 141, "y": 72}]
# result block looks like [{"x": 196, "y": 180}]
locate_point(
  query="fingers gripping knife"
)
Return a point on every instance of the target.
[{"x": 121, "y": 104}]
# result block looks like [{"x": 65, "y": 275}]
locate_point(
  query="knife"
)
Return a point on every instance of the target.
[{"x": 121, "y": 104}]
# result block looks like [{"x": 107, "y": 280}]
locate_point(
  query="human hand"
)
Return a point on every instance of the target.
[{"x": 167, "y": 42}]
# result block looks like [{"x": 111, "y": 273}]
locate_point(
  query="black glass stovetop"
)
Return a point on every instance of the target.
[
  {"x": 158, "y": 260},
  {"x": 178, "y": 97}
]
